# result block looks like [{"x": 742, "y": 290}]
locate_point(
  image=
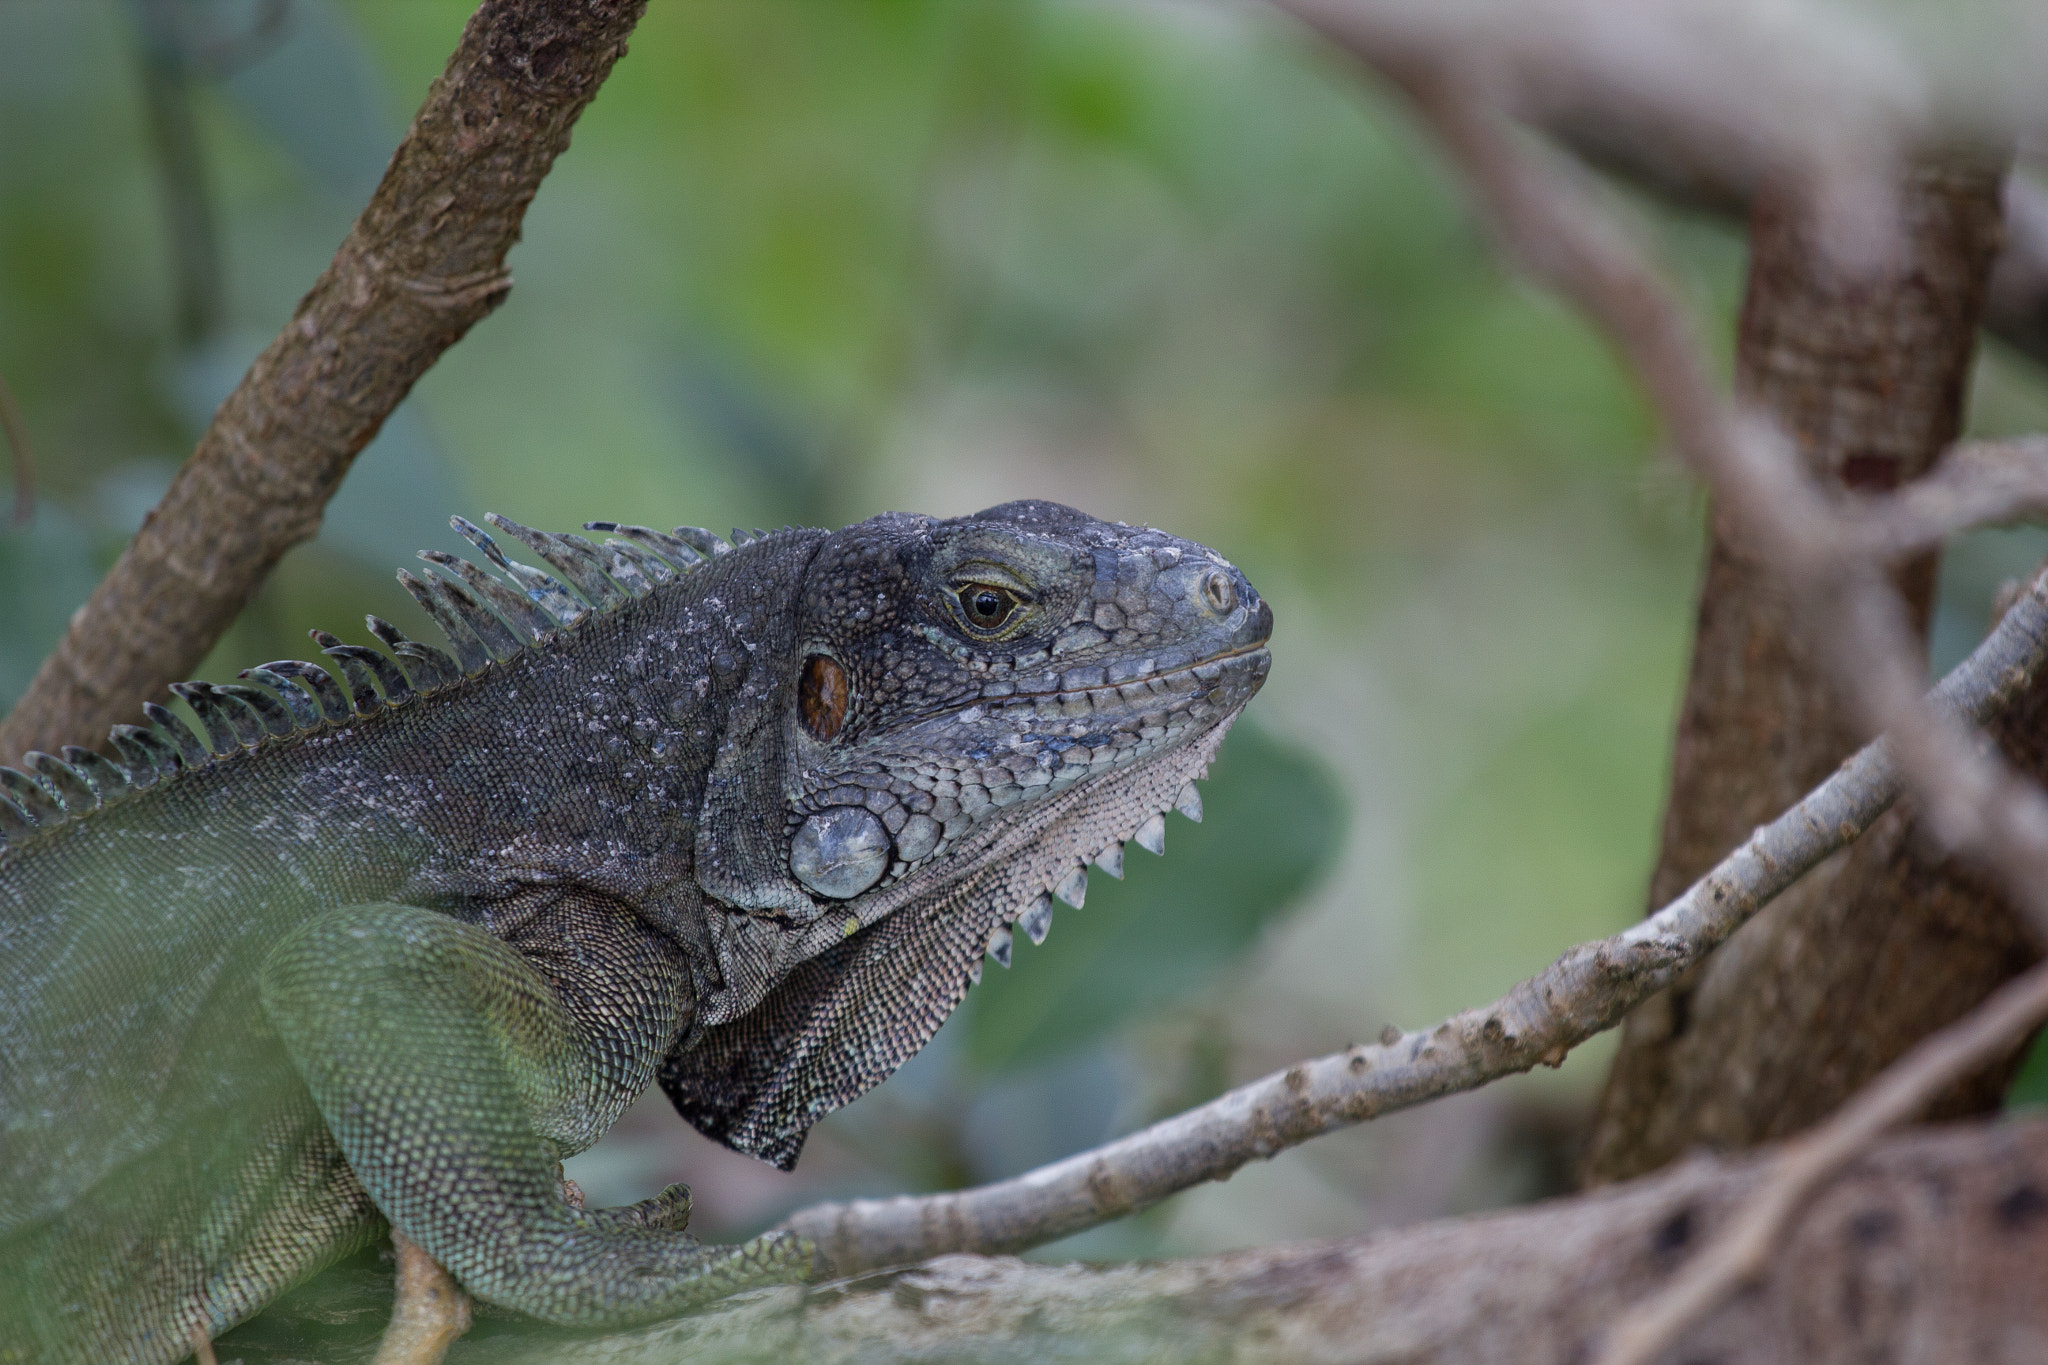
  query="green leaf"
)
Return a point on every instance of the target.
[
  {"x": 2029, "y": 1088},
  {"x": 1273, "y": 818}
]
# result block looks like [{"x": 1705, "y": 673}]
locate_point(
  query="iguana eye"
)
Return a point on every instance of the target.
[
  {"x": 987, "y": 606},
  {"x": 822, "y": 695}
]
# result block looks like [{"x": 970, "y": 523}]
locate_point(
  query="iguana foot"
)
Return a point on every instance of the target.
[{"x": 668, "y": 1211}]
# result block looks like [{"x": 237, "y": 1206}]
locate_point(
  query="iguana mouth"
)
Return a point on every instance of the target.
[{"x": 1133, "y": 685}]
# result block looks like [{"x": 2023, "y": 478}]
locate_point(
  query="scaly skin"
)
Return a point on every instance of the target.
[{"x": 744, "y": 827}]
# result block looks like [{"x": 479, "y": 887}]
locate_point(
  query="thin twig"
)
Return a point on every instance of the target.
[
  {"x": 1976, "y": 483},
  {"x": 1585, "y": 991},
  {"x": 21, "y": 452},
  {"x": 1742, "y": 1251}
]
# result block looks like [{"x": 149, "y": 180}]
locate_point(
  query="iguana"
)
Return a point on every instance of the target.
[{"x": 738, "y": 818}]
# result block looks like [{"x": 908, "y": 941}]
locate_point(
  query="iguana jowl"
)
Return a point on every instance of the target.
[{"x": 741, "y": 819}]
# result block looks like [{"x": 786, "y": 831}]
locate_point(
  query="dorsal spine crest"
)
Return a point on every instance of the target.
[{"x": 485, "y": 619}]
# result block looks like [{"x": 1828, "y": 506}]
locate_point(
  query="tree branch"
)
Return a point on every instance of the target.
[
  {"x": 1977, "y": 483},
  {"x": 1683, "y": 166},
  {"x": 423, "y": 264},
  {"x": 1585, "y": 991},
  {"x": 1742, "y": 1250},
  {"x": 1866, "y": 373},
  {"x": 1566, "y": 242}
]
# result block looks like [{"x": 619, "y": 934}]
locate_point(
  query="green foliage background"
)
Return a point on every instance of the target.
[{"x": 807, "y": 261}]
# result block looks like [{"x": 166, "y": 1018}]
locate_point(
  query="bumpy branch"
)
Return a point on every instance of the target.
[
  {"x": 1583, "y": 993},
  {"x": 422, "y": 265},
  {"x": 1567, "y": 243},
  {"x": 1742, "y": 1250}
]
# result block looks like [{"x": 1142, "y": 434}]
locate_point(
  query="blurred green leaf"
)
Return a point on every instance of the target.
[
  {"x": 2029, "y": 1088},
  {"x": 1273, "y": 817},
  {"x": 317, "y": 95},
  {"x": 47, "y": 569}
]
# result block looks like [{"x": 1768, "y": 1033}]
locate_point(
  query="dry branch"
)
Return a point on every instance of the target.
[
  {"x": 424, "y": 262},
  {"x": 1680, "y": 165},
  {"x": 1584, "y": 992},
  {"x": 431, "y": 1310},
  {"x": 1977, "y": 483}
]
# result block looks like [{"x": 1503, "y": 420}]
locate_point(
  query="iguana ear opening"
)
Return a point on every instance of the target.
[{"x": 822, "y": 697}]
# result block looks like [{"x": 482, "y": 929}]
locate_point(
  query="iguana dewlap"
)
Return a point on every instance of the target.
[{"x": 742, "y": 820}]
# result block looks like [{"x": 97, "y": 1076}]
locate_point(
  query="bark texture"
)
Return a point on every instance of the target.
[
  {"x": 1926, "y": 1252},
  {"x": 1885, "y": 943},
  {"x": 423, "y": 264}
]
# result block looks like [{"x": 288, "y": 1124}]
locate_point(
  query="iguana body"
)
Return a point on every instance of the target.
[{"x": 740, "y": 820}]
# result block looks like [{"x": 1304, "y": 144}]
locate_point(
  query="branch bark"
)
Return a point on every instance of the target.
[
  {"x": 1893, "y": 942},
  {"x": 1927, "y": 1251},
  {"x": 1757, "y": 1227},
  {"x": 423, "y": 264}
]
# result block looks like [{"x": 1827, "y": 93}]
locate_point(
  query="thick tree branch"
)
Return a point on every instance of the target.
[
  {"x": 1680, "y": 165},
  {"x": 1584, "y": 992},
  {"x": 1742, "y": 1251},
  {"x": 1927, "y": 1252},
  {"x": 423, "y": 263}
]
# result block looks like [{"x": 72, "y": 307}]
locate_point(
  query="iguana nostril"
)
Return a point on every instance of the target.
[
  {"x": 1219, "y": 592},
  {"x": 841, "y": 852}
]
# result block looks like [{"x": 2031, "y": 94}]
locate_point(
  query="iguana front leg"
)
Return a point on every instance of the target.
[{"x": 455, "y": 1074}]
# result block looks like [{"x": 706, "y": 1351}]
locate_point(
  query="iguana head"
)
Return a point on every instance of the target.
[
  {"x": 952, "y": 678},
  {"x": 976, "y": 709}
]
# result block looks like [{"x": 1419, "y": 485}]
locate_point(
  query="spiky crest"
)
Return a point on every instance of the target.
[{"x": 485, "y": 618}]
